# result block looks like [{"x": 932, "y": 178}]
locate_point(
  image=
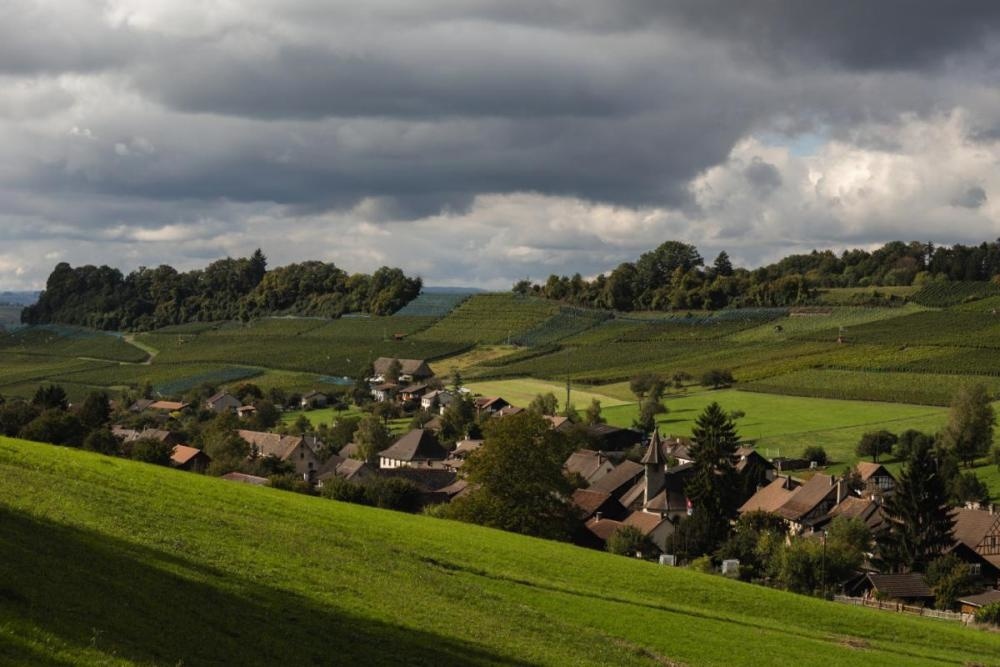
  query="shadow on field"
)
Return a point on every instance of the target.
[{"x": 136, "y": 603}]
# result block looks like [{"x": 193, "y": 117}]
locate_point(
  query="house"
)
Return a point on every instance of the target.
[
  {"x": 597, "y": 503},
  {"x": 771, "y": 497},
  {"x": 970, "y": 604},
  {"x": 159, "y": 435},
  {"x": 749, "y": 459},
  {"x": 621, "y": 479},
  {"x": 413, "y": 392},
  {"x": 810, "y": 503},
  {"x": 338, "y": 466},
  {"x": 588, "y": 464},
  {"x": 246, "y": 411},
  {"x": 611, "y": 438},
  {"x": 292, "y": 449},
  {"x": 410, "y": 370},
  {"x": 867, "y": 510},
  {"x": 678, "y": 449},
  {"x": 977, "y": 541},
  {"x": 877, "y": 480},
  {"x": 508, "y": 411},
  {"x": 490, "y": 405},
  {"x": 246, "y": 479},
  {"x": 438, "y": 400},
  {"x": 418, "y": 447},
  {"x": 189, "y": 458},
  {"x": 222, "y": 402},
  {"x": 655, "y": 527},
  {"x": 141, "y": 405},
  {"x": 384, "y": 391},
  {"x": 596, "y": 532},
  {"x": 314, "y": 399},
  {"x": 558, "y": 422},
  {"x": 349, "y": 451},
  {"x": 907, "y": 588}
]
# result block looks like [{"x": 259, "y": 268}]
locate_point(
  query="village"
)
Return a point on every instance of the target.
[{"x": 622, "y": 481}]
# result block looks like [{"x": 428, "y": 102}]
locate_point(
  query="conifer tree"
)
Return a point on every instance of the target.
[
  {"x": 920, "y": 526},
  {"x": 713, "y": 486}
]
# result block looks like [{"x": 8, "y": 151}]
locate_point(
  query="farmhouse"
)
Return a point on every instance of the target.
[
  {"x": 159, "y": 435},
  {"x": 416, "y": 448},
  {"x": 589, "y": 465},
  {"x": 597, "y": 503},
  {"x": 292, "y": 449},
  {"x": 490, "y": 405},
  {"x": 771, "y": 497},
  {"x": 977, "y": 541},
  {"x": 411, "y": 370},
  {"x": 222, "y": 402},
  {"x": 970, "y": 604},
  {"x": 313, "y": 399},
  {"x": 810, "y": 503},
  {"x": 624, "y": 476},
  {"x": 384, "y": 391},
  {"x": 439, "y": 399},
  {"x": 189, "y": 458},
  {"x": 907, "y": 588},
  {"x": 877, "y": 480},
  {"x": 413, "y": 392},
  {"x": 338, "y": 466},
  {"x": 246, "y": 411}
]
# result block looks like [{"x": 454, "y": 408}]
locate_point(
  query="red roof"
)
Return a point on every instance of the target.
[{"x": 183, "y": 454}]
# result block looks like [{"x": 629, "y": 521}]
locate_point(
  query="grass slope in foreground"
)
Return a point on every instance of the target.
[{"x": 110, "y": 562}]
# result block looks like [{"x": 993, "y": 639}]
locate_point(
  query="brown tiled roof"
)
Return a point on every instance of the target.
[
  {"x": 457, "y": 488},
  {"x": 585, "y": 462},
  {"x": 484, "y": 402},
  {"x": 805, "y": 498},
  {"x": 352, "y": 468},
  {"x": 508, "y": 411},
  {"x": 182, "y": 454},
  {"x": 171, "y": 406},
  {"x": 971, "y": 526},
  {"x": 407, "y": 366},
  {"x": 466, "y": 447},
  {"x": 349, "y": 451},
  {"x": 218, "y": 397},
  {"x": 635, "y": 493},
  {"x": 901, "y": 586},
  {"x": 603, "y": 528},
  {"x": 982, "y": 599},
  {"x": 556, "y": 421},
  {"x": 589, "y": 501},
  {"x": 272, "y": 444},
  {"x": 644, "y": 521},
  {"x": 417, "y": 445},
  {"x": 667, "y": 501},
  {"x": 624, "y": 473},
  {"x": 867, "y": 469},
  {"x": 770, "y": 497}
]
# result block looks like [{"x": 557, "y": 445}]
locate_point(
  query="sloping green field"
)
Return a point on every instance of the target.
[{"x": 110, "y": 562}]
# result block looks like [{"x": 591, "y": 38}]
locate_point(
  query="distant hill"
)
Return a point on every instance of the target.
[
  {"x": 18, "y": 298},
  {"x": 111, "y": 562}
]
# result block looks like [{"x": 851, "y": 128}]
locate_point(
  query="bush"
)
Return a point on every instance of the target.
[
  {"x": 989, "y": 614},
  {"x": 815, "y": 453},
  {"x": 629, "y": 541}
]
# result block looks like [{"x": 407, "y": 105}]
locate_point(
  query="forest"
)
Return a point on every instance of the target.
[
  {"x": 228, "y": 289},
  {"x": 675, "y": 276}
]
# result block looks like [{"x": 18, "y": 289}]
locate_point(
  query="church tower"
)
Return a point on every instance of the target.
[{"x": 655, "y": 468}]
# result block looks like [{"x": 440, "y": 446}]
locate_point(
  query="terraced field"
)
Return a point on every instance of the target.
[{"x": 489, "y": 319}]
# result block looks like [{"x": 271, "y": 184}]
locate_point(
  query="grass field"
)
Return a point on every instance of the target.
[
  {"x": 108, "y": 562},
  {"x": 520, "y": 392}
]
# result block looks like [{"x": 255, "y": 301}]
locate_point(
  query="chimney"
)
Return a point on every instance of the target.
[
  {"x": 840, "y": 491},
  {"x": 598, "y": 516}
]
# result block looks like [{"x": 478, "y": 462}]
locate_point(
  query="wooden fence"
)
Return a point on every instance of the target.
[{"x": 904, "y": 608}]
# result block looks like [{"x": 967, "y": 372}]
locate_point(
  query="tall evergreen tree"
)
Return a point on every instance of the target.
[
  {"x": 713, "y": 487},
  {"x": 920, "y": 526}
]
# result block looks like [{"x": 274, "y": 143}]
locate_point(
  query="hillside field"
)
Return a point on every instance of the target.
[{"x": 111, "y": 562}]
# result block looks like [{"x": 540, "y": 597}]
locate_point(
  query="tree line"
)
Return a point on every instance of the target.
[
  {"x": 101, "y": 297},
  {"x": 675, "y": 276}
]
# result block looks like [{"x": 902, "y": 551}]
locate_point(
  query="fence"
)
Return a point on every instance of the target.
[{"x": 903, "y": 608}]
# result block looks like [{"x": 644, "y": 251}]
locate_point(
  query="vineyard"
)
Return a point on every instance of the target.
[
  {"x": 60, "y": 341},
  {"x": 490, "y": 319},
  {"x": 433, "y": 304},
  {"x": 942, "y": 295}
]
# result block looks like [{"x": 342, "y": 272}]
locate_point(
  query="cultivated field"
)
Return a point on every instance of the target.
[{"x": 101, "y": 555}]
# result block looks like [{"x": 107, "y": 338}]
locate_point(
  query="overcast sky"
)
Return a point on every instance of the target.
[{"x": 477, "y": 142}]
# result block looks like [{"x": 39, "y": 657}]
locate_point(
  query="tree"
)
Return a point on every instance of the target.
[
  {"x": 221, "y": 442},
  {"x": 150, "y": 450},
  {"x": 572, "y": 414},
  {"x": 56, "y": 427},
  {"x": 50, "y": 397},
  {"x": 456, "y": 381},
  {"x": 920, "y": 525},
  {"x": 722, "y": 264},
  {"x": 754, "y": 542},
  {"x": 968, "y": 488},
  {"x": 969, "y": 432},
  {"x": 949, "y": 579},
  {"x": 101, "y": 440},
  {"x": 544, "y": 404},
  {"x": 458, "y": 418},
  {"x": 95, "y": 410},
  {"x": 646, "y": 383},
  {"x": 371, "y": 437},
  {"x": 15, "y": 415},
  {"x": 815, "y": 453},
  {"x": 713, "y": 483},
  {"x": 717, "y": 378},
  {"x": 393, "y": 372},
  {"x": 517, "y": 480},
  {"x": 629, "y": 541},
  {"x": 267, "y": 415},
  {"x": 648, "y": 409},
  {"x": 906, "y": 443},
  {"x": 876, "y": 443},
  {"x": 593, "y": 414}
]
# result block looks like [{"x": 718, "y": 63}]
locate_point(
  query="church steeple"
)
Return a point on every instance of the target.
[{"x": 655, "y": 469}]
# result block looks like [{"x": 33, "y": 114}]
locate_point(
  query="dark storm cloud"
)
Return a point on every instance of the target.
[
  {"x": 762, "y": 176},
  {"x": 974, "y": 197},
  {"x": 856, "y": 34}
]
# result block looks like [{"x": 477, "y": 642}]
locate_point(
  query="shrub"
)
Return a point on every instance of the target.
[
  {"x": 629, "y": 541},
  {"x": 815, "y": 453},
  {"x": 989, "y": 614}
]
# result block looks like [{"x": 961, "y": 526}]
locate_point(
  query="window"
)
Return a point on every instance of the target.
[{"x": 975, "y": 569}]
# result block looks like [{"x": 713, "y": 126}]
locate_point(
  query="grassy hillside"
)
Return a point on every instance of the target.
[{"x": 109, "y": 562}]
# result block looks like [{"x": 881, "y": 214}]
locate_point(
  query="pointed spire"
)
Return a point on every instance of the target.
[{"x": 654, "y": 452}]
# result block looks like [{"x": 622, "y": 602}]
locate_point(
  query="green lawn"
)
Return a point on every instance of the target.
[
  {"x": 521, "y": 391},
  {"x": 109, "y": 562}
]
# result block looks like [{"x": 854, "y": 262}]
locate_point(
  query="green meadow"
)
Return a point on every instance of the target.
[{"x": 112, "y": 562}]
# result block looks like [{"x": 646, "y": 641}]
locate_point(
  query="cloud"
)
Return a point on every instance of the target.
[{"x": 476, "y": 141}]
